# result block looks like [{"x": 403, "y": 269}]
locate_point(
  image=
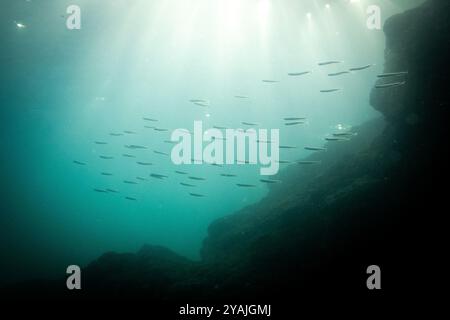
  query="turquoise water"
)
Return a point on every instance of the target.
[{"x": 65, "y": 89}]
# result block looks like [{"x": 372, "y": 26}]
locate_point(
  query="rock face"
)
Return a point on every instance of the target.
[{"x": 371, "y": 201}]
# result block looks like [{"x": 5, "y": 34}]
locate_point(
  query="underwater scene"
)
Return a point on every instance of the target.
[{"x": 224, "y": 153}]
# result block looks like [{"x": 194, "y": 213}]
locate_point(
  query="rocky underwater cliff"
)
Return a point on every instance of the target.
[{"x": 373, "y": 200}]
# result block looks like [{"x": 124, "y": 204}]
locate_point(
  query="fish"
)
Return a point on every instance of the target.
[
  {"x": 100, "y": 142},
  {"x": 129, "y": 182},
  {"x": 287, "y": 147},
  {"x": 336, "y": 139},
  {"x": 219, "y": 127},
  {"x": 149, "y": 119},
  {"x": 390, "y": 85},
  {"x": 244, "y": 185},
  {"x": 198, "y": 195},
  {"x": 158, "y": 176},
  {"x": 112, "y": 190},
  {"x": 249, "y": 123},
  {"x": 269, "y": 181},
  {"x": 308, "y": 162},
  {"x": 294, "y": 118},
  {"x": 338, "y": 73},
  {"x": 131, "y": 198},
  {"x": 79, "y": 162},
  {"x": 161, "y": 129},
  {"x": 270, "y": 81},
  {"x": 315, "y": 148},
  {"x": 144, "y": 163},
  {"x": 196, "y": 178},
  {"x": 361, "y": 68},
  {"x": 187, "y": 184},
  {"x": 134, "y": 146},
  {"x": 228, "y": 175},
  {"x": 326, "y": 63},
  {"x": 142, "y": 179},
  {"x": 170, "y": 142},
  {"x": 219, "y": 138},
  {"x": 116, "y": 134},
  {"x": 263, "y": 141},
  {"x": 241, "y": 97},
  {"x": 128, "y": 155},
  {"x": 160, "y": 152},
  {"x": 296, "y": 74},
  {"x": 100, "y": 190},
  {"x": 201, "y": 104},
  {"x": 180, "y": 172},
  {"x": 344, "y": 134},
  {"x": 106, "y": 174},
  {"x": 293, "y": 123},
  {"x": 199, "y": 100},
  {"x": 149, "y": 127},
  {"x": 392, "y": 74},
  {"x": 284, "y": 161},
  {"x": 329, "y": 90},
  {"x": 129, "y": 132},
  {"x": 106, "y": 157}
]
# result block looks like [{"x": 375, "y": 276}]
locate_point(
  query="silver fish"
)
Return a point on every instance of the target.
[
  {"x": 309, "y": 162},
  {"x": 392, "y": 74},
  {"x": 296, "y": 74},
  {"x": 361, "y": 68},
  {"x": 338, "y": 73},
  {"x": 269, "y": 181},
  {"x": 284, "y": 161},
  {"x": 329, "y": 90},
  {"x": 158, "y": 176},
  {"x": 244, "y": 185},
  {"x": 198, "y": 195},
  {"x": 187, "y": 184},
  {"x": 144, "y": 163},
  {"x": 227, "y": 175},
  {"x": 196, "y": 178},
  {"x": 390, "y": 85},
  {"x": 315, "y": 148},
  {"x": 294, "y": 118},
  {"x": 128, "y": 155},
  {"x": 326, "y": 63},
  {"x": 79, "y": 162},
  {"x": 134, "y": 146}
]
